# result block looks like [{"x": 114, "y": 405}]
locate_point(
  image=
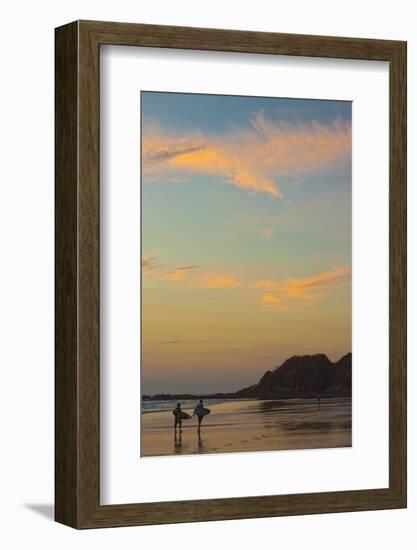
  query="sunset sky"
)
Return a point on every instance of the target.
[{"x": 246, "y": 237}]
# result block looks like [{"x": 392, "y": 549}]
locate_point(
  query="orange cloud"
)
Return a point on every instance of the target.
[
  {"x": 213, "y": 280},
  {"x": 278, "y": 294},
  {"x": 338, "y": 276},
  {"x": 297, "y": 286},
  {"x": 302, "y": 290},
  {"x": 253, "y": 158},
  {"x": 274, "y": 301},
  {"x": 216, "y": 161},
  {"x": 188, "y": 275}
]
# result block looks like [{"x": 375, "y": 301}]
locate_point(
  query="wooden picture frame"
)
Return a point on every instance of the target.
[{"x": 77, "y": 383}]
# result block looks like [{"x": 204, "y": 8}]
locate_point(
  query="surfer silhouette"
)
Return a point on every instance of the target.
[
  {"x": 200, "y": 411},
  {"x": 177, "y": 412}
]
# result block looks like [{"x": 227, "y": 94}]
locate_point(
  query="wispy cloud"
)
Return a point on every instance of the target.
[
  {"x": 254, "y": 158},
  {"x": 217, "y": 280},
  {"x": 149, "y": 263},
  {"x": 302, "y": 290},
  {"x": 155, "y": 155},
  {"x": 187, "y": 274},
  {"x": 281, "y": 294},
  {"x": 177, "y": 273},
  {"x": 218, "y": 159},
  {"x": 296, "y": 286},
  {"x": 201, "y": 280},
  {"x": 184, "y": 267}
]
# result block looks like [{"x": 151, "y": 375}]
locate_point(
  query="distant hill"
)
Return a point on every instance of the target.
[
  {"x": 298, "y": 376},
  {"x": 304, "y": 376}
]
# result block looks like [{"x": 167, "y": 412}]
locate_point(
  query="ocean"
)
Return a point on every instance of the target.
[{"x": 150, "y": 406}]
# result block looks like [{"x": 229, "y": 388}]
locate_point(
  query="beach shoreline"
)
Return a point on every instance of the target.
[{"x": 246, "y": 425}]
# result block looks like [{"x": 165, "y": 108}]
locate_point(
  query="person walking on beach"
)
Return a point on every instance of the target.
[
  {"x": 177, "y": 412},
  {"x": 200, "y": 412}
]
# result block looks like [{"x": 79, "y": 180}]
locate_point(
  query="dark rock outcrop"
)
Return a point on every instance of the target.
[{"x": 304, "y": 376}]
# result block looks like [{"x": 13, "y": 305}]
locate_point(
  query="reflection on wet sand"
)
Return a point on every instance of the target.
[
  {"x": 200, "y": 442},
  {"x": 178, "y": 441},
  {"x": 250, "y": 425}
]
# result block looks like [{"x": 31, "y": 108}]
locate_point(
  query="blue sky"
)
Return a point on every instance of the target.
[{"x": 217, "y": 113}]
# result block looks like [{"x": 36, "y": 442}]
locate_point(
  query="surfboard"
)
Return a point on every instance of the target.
[
  {"x": 184, "y": 415},
  {"x": 201, "y": 411}
]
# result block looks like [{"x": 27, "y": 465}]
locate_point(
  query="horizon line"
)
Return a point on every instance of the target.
[{"x": 232, "y": 392}]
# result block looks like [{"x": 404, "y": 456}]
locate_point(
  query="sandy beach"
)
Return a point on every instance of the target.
[{"x": 249, "y": 425}]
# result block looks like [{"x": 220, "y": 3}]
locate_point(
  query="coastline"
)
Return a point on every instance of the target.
[{"x": 242, "y": 425}]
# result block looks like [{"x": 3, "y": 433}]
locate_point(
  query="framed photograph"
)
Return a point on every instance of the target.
[{"x": 230, "y": 274}]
